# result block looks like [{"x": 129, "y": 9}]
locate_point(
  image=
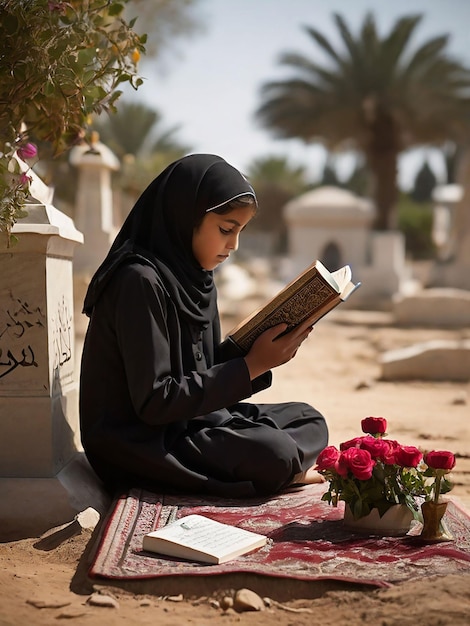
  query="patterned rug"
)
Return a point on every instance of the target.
[{"x": 306, "y": 541}]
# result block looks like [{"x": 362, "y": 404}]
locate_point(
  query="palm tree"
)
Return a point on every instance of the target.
[
  {"x": 375, "y": 96},
  {"x": 133, "y": 128}
]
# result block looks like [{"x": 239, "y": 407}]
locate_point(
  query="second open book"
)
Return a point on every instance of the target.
[
  {"x": 199, "y": 538},
  {"x": 314, "y": 292}
]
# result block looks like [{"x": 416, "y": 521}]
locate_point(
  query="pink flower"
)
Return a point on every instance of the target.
[
  {"x": 60, "y": 7},
  {"x": 374, "y": 425},
  {"x": 408, "y": 456},
  {"x": 440, "y": 460},
  {"x": 327, "y": 458},
  {"x": 25, "y": 179},
  {"x": 358, "y": 462},
  {"x": 27, "y": 151}
]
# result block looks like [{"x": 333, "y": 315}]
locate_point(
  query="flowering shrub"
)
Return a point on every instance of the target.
[
  {"x": 370, "y": 472},
  {"x": 61, "y": 61},
  {"x": 14, "y": 183}
]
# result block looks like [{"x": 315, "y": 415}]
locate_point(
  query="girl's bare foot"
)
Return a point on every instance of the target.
[{"x": 309, "y": 477}]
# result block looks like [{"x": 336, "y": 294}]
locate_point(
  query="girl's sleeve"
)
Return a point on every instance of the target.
[{"x": 149, "y": 343}]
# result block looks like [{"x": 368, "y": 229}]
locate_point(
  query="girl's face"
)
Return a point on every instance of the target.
[{"x": 217, "y": 236}]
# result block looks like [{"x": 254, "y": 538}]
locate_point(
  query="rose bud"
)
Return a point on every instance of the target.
[{"x": 374, "y": 425}]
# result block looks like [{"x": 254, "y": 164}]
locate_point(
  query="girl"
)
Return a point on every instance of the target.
[{"x": 158, "y": 406}]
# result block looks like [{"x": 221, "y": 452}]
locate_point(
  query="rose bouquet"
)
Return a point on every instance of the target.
[{"x": 372, "y": 472}]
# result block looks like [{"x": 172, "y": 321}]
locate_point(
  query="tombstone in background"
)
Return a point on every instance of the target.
[
  {"x": 463, "y": 223},
  {"x": 44, "y": 478},
  {"x": 437, "y": 307},
  {"x": 334, "y": 226},
  {"x": 93, "y": 215},
  {"x": 431, "y": 360},
  {"x": 444, "y": 234},
  {"x": 452, "y": 269}
]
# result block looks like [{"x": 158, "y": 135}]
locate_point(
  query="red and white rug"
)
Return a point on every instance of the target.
[{"x": 307, "y": 541}]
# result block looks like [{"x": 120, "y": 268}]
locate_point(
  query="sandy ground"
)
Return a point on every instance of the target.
[{"x": 337, "y": 370}]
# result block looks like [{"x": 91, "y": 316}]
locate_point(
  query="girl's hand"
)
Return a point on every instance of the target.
[{"x": 271, "y": 350}]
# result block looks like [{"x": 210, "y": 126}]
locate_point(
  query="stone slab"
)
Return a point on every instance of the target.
[
  {"x": 31, "y": 506},
  {"x": 437, "y": 307},
  {"x": 445, "y": 360}
]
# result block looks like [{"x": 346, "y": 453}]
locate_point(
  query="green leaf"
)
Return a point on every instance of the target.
[
  {"x": 115, "y": 9},
  {"x": 85, "y": 57},
  {"x": 49, "y": 89}
]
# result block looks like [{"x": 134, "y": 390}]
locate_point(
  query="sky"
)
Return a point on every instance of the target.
[{"x": 210, "y": 84}]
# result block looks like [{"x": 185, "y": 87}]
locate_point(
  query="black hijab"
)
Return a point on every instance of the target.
[{"x": 159, "y": 230}]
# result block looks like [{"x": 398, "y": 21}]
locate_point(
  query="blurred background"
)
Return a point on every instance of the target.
[{"x": 212, "y": 72}]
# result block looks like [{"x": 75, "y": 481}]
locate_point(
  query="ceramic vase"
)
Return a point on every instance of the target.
[
  {"x": 434, "y": 528},
  {"x": 395, "y": 522}
]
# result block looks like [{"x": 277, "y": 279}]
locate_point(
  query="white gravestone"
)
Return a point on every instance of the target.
[{"x": 44, "y": 478}]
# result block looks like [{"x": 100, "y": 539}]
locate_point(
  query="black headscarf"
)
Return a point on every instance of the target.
[{"x": 159, "y": 231}]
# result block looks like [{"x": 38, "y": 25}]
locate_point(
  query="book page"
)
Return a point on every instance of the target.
[
  {"x": 349, "y": 289},
  {"x": 206, "y": 535},
  {"x": 342, "y": 277}
]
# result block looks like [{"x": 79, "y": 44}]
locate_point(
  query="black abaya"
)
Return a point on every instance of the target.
[{"x": 156, "y": 407}]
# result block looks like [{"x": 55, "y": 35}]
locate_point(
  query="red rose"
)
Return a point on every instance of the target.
[
  {"x": 408, "y": 456},
  {"x": 351, "y": 443},
  {"x": 378, "y": 448},
  {"x": 390, "y": 451},
  {"x": 327, "y": 458},
  {"x": 440, "y": 459},
  {"x": 374, "y": 425},
  {"x": 358, "y": 462}
]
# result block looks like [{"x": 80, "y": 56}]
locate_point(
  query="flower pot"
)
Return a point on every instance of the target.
[
  {"x": 395, "y": 522},
  {"x": 434, "y": 528}
]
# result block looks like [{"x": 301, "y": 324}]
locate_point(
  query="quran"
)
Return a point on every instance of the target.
[
  {"x": 312, "y": 294},
  {"x": 200, "y": 538}
]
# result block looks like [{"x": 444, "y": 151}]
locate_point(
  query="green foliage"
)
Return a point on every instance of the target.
[
  {"x": 275, "y": 170},
  {"x": 388, "y": 485},
  {"x": 61, "y": 61},
  {"x": 127, "y": 130},
  {"x": 276, "y": 182},
  {"x": 359, "y": 181},
  {"x": 415, "y": 221},
  {"x": 14, "y": 193},
  {"x": 136, "y": 129}
]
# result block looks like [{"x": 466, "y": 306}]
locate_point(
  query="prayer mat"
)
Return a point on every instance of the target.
[{"x": 306, "y": 541}]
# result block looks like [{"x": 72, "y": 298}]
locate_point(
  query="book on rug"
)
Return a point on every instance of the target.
[
  {"x": 313, "y": 293},
  {"x": 200, "y": 538}
]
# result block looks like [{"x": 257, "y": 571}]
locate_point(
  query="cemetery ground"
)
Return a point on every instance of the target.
[{"x": 338, "y": 371}]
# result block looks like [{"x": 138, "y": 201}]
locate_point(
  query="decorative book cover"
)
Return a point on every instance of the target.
[{"x": 315, "y": 292}]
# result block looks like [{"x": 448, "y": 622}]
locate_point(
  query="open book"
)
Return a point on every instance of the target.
[
  {"x": 199, "y": 538},
  {"x": 314, "y": 292}
]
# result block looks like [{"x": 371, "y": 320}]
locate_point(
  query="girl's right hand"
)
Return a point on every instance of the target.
[{"x": 272, "y": 348}]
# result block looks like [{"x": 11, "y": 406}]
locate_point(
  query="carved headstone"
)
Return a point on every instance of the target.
[{"x": 43, "y": 474}]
